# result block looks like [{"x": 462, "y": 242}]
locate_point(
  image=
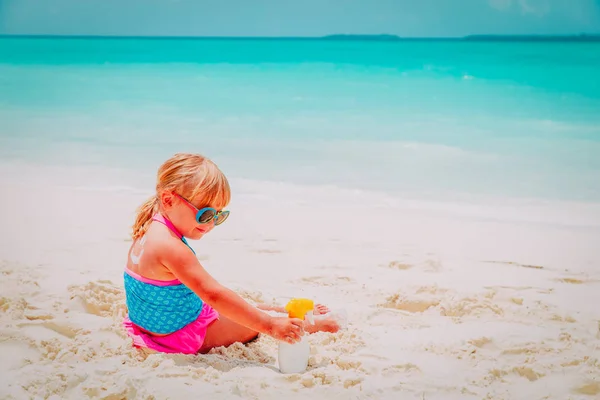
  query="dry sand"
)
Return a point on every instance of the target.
[{"x": 443, "y": 302}]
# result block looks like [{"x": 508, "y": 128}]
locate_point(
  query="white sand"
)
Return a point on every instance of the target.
[{"x": 443, "y": 302}]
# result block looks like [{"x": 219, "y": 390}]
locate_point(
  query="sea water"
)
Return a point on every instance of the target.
[{"x": 416, "y": 119}]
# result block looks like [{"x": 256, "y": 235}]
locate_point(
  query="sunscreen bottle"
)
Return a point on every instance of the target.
[{"x": 293, "y": 358}]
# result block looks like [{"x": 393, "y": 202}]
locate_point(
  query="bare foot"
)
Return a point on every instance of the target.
[
  {"x": 320, "y": 309},
  {"x": 327, "y": 324}
]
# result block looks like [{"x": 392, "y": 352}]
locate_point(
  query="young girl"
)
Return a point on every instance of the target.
[{"x": 174, "y": 304}]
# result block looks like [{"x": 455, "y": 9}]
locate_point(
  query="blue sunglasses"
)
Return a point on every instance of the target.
[{"x": 207, "y": 214}]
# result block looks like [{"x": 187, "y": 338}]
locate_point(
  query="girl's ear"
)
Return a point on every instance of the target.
[{"x": 167, "y": 200}]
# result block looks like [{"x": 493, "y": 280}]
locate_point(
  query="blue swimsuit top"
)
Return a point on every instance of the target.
[{"x": 161, "y": 307}]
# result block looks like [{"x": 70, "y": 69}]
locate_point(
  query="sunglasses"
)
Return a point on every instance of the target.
[{"x": 207, "y": 214}]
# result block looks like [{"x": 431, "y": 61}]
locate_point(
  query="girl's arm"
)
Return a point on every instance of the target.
[{"x": 186, "y": 267}]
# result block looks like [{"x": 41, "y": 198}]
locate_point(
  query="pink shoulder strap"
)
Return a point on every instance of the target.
[{"x": 167, "y": 223}]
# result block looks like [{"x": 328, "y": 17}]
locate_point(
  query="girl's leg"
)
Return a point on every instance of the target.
[
  {"x": 322, "y": 324},
  {"x": 225, "y": 332}
]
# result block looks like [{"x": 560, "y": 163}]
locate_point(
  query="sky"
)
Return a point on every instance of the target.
[{"x": 410, "y": 18}]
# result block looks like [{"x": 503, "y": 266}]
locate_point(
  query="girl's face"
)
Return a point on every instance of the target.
[{"x": 184, "y": 214}]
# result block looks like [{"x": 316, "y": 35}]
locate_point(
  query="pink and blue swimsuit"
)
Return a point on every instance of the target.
[{"x": 167, "y": 308}]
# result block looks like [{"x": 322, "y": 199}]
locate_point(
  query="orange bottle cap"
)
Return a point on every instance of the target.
[{"x": 297, "y": 308}]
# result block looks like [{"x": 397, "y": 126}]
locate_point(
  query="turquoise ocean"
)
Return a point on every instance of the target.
[{"x": 431, "y": 119}]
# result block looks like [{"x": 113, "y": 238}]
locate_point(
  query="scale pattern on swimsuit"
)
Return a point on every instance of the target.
[{"x": 161, "y": 309}]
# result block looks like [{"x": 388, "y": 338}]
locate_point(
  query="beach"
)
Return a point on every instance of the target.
[
  {"x": 441, "y": 198},
  {"x": 439, "y": 304}
]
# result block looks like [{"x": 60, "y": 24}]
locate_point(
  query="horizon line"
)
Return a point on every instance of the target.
[{"x": 335, "y": 36}]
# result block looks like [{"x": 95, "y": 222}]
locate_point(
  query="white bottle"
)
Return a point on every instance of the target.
[{"x": 293, "y": 358}]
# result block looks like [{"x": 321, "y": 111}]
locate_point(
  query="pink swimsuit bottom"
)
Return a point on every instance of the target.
[{"x": 187, "y": 340}]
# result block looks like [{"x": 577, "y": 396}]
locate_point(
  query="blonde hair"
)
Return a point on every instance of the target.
[{"x": 193, "y": 177}]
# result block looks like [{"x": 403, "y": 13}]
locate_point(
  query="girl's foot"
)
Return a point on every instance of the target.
[
  {"x": 320, "y": 309},
  {"x": 324, "y": 324}
]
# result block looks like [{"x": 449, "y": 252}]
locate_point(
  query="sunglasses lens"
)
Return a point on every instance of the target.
[
  {"x": 222, "y": 217},
  {"x": 206, "y": 216}
]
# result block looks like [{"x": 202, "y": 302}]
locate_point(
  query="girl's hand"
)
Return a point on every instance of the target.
[{"x": 286, "y": 329}]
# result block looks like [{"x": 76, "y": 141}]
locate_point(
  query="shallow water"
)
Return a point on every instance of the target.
[{"x": 422, "y": 119}]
